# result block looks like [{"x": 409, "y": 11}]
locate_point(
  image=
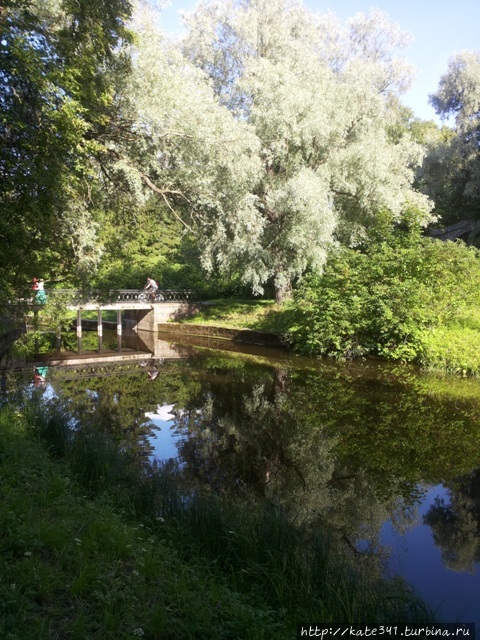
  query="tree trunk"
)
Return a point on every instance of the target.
[{"x": 283, "y": 292}]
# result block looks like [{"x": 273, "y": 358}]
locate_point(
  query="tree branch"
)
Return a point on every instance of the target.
[
  {"x": 343, "y": 193},
  {"x": 164, "y": 193}
]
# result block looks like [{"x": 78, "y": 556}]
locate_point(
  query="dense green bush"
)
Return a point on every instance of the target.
[{"x": 386, "y": 298}]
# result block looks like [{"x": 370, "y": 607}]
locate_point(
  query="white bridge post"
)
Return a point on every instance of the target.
[
  {"x": 119, "y": 322},
  {"x": 119, "y": 329},
  {"x": 99, "y": 329}
]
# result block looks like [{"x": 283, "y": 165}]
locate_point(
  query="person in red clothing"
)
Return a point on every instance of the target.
[{"x": 39, "y": 377}]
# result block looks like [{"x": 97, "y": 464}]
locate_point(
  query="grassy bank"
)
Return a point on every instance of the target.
[
  {"x": 453, "y": 347},
  {"x": 76, "y": 566},
  {"x": 261, "y": 315},
  {"x": 95, "y": 547}
]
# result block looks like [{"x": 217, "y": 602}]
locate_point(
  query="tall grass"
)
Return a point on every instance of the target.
[
  {"x": 289, "y": 567},
  {"x": 78, "y": 568},
  {"x": 455, "y": 346},
  {"x": 286, "y": 571}
]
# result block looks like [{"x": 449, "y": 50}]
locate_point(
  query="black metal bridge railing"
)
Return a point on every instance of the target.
[
  {"x": 161, "y": 295},
  {"x": 112, "y": 296}
]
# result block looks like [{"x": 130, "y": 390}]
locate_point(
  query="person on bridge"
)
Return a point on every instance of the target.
[
  {"x": 40, "y": 296},
  {"x": 151, "y": 286}
]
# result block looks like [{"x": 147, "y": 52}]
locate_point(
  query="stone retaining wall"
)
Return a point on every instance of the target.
[{"x": 248, "y": 336}]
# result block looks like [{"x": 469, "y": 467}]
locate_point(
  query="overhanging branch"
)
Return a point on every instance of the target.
[
  {"x": 343, "y": 193},
  {"x": 165, "y": 193}
]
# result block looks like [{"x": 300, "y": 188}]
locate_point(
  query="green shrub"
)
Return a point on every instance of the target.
[{"x": 386, "y": 298}]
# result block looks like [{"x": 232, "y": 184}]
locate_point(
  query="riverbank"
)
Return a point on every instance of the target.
[
  {"x": 77, "y": 567},
  {"x": 257, "y": 315},
  {"x": 452, "y": 348},
  {"x": 94, "y": 547}
]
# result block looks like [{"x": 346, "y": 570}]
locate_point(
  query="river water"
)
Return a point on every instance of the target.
[{"x": 384, "y": 457}]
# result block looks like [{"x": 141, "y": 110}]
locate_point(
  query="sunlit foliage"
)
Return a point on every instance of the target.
[
  {"x": 321, "y": 100},
  {"x": 387, "y": 299}
]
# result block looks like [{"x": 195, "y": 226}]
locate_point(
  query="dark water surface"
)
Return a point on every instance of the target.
[{"x": 384, "y": 457}]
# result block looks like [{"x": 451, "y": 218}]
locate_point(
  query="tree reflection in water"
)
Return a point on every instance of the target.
[
  {"x": 342, "y": 447},
  {"x": 456, "y": 526}
]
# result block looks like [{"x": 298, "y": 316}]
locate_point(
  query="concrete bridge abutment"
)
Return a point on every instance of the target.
[{"x": 149, "y": 319}]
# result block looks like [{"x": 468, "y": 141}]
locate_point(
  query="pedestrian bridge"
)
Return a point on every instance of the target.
[
  {"x": 136, "y": 309},
  {"x": 119, "y": 298},
  {"x": 466, "y": 230}
]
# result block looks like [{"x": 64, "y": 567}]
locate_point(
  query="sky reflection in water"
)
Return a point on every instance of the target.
[
  {"x": 414, "y": 555},
  {"x": 164, "y": 439}
]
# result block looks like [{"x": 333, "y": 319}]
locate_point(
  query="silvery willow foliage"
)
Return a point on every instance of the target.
[
  {"x": 458, "y": 95},
  {"x": 187, "y": 149},
  {"x": 273, "y": 140}
]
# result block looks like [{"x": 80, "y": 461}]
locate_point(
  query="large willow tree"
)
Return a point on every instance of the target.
[{"x": 322, "y": 101}]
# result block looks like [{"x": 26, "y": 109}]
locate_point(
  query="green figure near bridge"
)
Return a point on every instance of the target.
[{"x": 38, "y": 286}]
